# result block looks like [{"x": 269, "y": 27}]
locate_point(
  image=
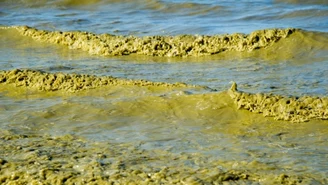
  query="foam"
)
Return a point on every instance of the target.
[
  {"x": 69, "y": 82},
  {"x": 168, "y": 46},
  {"x": 294, "y": 109}
]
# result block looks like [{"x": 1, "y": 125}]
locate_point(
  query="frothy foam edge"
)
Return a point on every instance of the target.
[
  {"x": 294, "y": 109},
  {"x": 70, "y": 82},
  {"x": 165, "y": 46}
]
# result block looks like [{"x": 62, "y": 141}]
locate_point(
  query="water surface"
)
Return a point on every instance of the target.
[{"x": 186, "y": 130}]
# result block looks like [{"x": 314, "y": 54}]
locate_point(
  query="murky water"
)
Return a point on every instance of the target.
[{"x": 168, "y": 135}]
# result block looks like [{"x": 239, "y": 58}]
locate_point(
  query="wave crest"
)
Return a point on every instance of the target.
[
  {"x": 294, "y": 109},
  {"x": 169, "y": 46}
]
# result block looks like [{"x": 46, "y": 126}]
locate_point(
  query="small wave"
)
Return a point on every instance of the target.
[
  {"x": 303, "y": 13},
  {"x": 69, "y": 82},
  {"x": 52, "y": 3},
  {"x": 182, "y": 8},
  {"x": 77, "y": 2},
  {"x": 314, "y": 2},
  {"x": 294, "y": 109},
  {"x": 161, "y": 6},
  {"x": 169, "y": 46}
]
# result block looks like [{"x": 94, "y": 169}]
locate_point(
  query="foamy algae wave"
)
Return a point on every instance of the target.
[
  {"x": 169, "y": 46},
  {"x": 294, "y": 109},
  {"x": 69, "y": 82}
]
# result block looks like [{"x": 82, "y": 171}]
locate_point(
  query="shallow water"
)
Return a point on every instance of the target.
[
  {"x": 189, "y": 134},
  {"x": 169, "y": 17}
]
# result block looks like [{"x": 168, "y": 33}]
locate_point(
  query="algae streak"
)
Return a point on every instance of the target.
[
  {"x": 294, "y": 109},
  {"x": 169, "y": 46},
  {"x": 69, "y": 82}
]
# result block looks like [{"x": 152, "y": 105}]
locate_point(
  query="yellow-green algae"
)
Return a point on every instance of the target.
[
  {"x": 35, "y": 159},
  {"x": 69, "y": 82},
  {"x": 294, "y": 109},
  {"x": 169, "y": 46}
]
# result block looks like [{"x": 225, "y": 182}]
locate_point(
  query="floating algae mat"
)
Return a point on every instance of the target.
[
  {"x": 156, "y": 144},
  {"x": 183, "y": 45},
  {"x": 162, "y": 122},
  {"x": 145, "y": 92},
  {"x": 69, "y": 160},
  {"x": 53, "y": 82},
  {"x": 295, "y": 109}
]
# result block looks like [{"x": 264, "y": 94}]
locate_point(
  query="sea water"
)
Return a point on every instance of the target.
[{"x": 156, "y": 134}]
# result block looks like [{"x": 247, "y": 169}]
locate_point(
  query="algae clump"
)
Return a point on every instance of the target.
[
  {"x": 35, "y": 159},
  {"x": 294, "y": 109},
  {"x": 168, "y": 46},
  {"x": 69, "y": 82}
]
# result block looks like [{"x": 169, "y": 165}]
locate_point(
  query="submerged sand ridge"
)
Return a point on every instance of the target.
[
  {"x": 294, "y": 109},
  {"x": 169, "y": 46}
]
